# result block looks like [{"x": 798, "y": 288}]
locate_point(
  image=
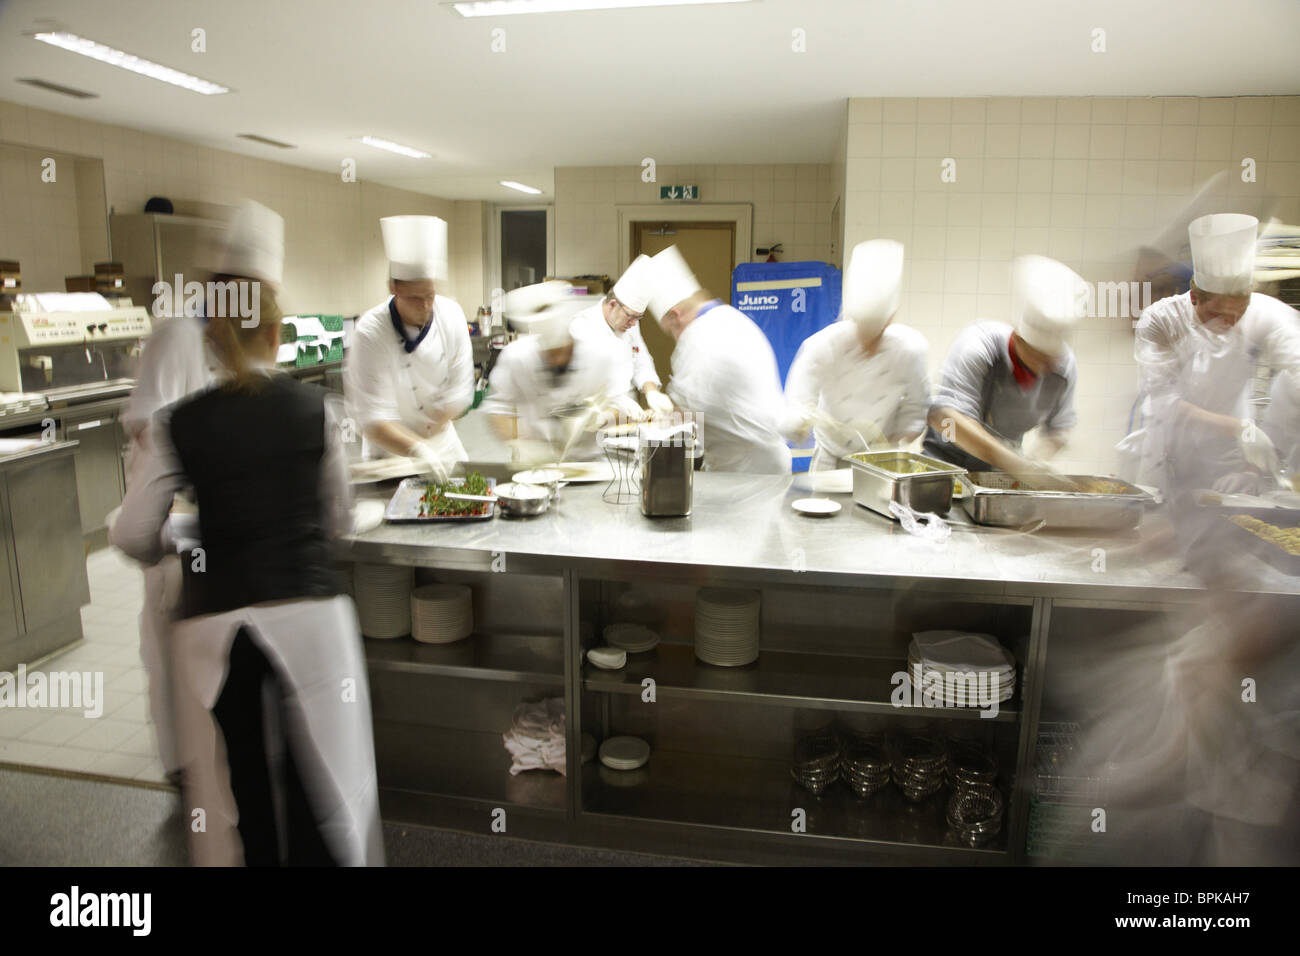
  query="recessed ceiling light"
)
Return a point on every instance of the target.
[
  {"x": 126, "y": 61},
  {"x": 511, "y": 184},
  {"x": 506, "y": 8},
  {"x": 392, "y": 147}
]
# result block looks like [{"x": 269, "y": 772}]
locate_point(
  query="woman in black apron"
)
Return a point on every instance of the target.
[{"x": 273, "y": 707}]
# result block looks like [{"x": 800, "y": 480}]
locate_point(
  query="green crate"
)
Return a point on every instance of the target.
[
  {"x": 307, "y": 357},
  {"x": 332, "y": 323},
  {"x": 335, "y": 351}
]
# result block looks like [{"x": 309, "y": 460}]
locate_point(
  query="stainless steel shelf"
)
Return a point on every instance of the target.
[
  {"x": 460, "y": 764},
  {"x": 521, "y": 658},
  {"x": 739, "y": 793},
  {"x": 778, "y": 678}
]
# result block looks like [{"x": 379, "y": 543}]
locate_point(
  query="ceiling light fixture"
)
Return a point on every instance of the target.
[
  {"x": 392, "y": 147},
  {"x": 511, "y": 184},
  {"x": 506, "y": 8},
  {"x": 126, "y": 61}
]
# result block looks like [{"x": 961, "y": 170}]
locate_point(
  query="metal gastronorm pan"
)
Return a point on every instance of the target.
[
  {"x": 1007, "y": 501},
  {"x": 877, "y": 480}
]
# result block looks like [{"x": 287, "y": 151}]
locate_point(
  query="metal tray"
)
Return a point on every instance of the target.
[
  {"x": 875, "y": 484},
  {"x": 1275, "y": 555},
  {"x": 405, "y": 504},
  {"x": 1003, "y": 501}
]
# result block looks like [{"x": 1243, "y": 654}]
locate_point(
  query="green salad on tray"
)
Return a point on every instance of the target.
[{"x": 434, "y": 503}]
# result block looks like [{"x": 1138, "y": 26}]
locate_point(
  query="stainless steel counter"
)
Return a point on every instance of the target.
[{"x": 743, "y": 528}]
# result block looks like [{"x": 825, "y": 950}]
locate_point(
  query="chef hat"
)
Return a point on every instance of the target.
[
  {"x": 671, "y": 282},
  {"x": 1047, "y": 300},
  {"x": 633, "y": 287},
  {"x": 545, "y": 310},
  {"x": 873, "y": 284},
  {"x": 1223, "y": 253},
  {"x": 253, "y": 244},
  {"x": 416, "y": 247}
]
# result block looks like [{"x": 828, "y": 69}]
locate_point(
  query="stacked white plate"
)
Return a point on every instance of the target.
[
  {"x": 726, "y": 626},
  {"x": 383, "y": 596},
  {"x": 953, "y": 657},
  {"x": 633, "y": 638},
  {"x": 624, "y": 753},
  {"x": 442, "y": 613}
]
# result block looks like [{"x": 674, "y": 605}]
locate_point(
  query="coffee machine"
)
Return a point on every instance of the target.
[{"x": 666, "y": 455}]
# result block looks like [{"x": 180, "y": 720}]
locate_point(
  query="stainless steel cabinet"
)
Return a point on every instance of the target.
[{"x": 100, "y": 481}]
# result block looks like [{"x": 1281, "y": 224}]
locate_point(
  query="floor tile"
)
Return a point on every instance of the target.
[
  {"x": 59, "y": 729},
  {"x": 16, "y": 721},
  {"x": 105, "y": 734},
  {"x": 141, "y": 743},
  {"x": 134, "y": 708},
  {"x": 153, "y": 771},
  {"x": 24, "y": 752},
  {"x": 126, "y": 766},
  {"x": 71, "y": 758}
]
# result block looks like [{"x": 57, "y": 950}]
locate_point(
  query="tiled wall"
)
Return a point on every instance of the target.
[
  {"x": 1084, "y": 180},
  {"x": 791, "y": 205},
  {"x": 52, "y": 251},
  {"x": 334, "y": 259}
]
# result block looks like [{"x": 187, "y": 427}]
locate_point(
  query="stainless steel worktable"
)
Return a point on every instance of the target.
[
  {"x": 744, "y": 524},
  {"x": 841, "y": 597}
]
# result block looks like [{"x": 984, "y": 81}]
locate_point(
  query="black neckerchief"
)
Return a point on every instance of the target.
[{"x": 408, "y": 343}]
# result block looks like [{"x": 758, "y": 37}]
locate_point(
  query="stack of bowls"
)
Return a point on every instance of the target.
[
  {"x": 442, "y": 613},
  {"x": 919, "y": 763},
  {"x": 383, "y": 596},
  {"x": 816, "y": 761}
]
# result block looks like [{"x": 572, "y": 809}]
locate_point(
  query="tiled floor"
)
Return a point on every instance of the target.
[{"x": 119, "y": 743}]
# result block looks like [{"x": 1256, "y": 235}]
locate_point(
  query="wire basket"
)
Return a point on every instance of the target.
[{"x": 624, "y": 484}]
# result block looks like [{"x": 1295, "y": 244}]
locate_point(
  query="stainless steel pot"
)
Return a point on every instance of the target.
[{"x": 523, "y": 501}]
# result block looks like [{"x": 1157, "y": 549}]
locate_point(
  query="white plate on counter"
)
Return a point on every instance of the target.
[
  {"x": 574, "y": 472},
  {"x": 816, "y": 507}
]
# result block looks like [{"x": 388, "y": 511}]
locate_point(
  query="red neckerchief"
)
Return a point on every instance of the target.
[{"x": 1024, "y": 377}]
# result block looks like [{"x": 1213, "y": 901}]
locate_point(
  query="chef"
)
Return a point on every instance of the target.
[
  {"x": 863, "y": 381},
  {"x": 1000, "y": 382},
  {"x": 615, "y": 319},
  {"x": 1197, "y": 353},
  {"x": 270, "y": 676},
  {"x": 410, "y": 370},
  {"x": 550, "y": 391},
  {"x": 177, "y": 361},
  {"x": 723, "y": 370}
]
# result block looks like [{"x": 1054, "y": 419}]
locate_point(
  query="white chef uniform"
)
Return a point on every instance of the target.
[
  {"x": 391, "y": 373},
  {"x": 633, "y": 364},
  {"x": 861, "y": 397},
  {"x": 724, "y": 370},
  {"x": 1181, "y": 358},
  {"x": 314, "y": 645},
  {"x": 833, "y": 373},
  {"x": 177, "y": 361},
  {"x": 551, "y": 405}
]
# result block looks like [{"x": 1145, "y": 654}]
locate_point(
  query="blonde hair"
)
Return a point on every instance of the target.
[{"x": 231, "y": 340}]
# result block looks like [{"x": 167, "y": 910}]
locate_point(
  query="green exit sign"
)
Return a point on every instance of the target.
[{"x": 679, "y": 192}]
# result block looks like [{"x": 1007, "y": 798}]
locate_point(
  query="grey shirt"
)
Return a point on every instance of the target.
[{"x": 979, "y": 382}]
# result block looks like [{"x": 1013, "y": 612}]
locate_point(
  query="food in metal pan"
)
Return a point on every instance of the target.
[
  {"x": 1288, "y": 539},
  {"x": 434, "y": 503}
]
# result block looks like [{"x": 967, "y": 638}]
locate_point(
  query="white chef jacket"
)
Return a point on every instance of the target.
[
  {"x": 176, "y": 362},
  {"x": 833, "y": 373},
  {"x": 724, "y": 370},
  {"x": 634, "y": 366},
  {"x": 545, "y": 404},
  {"x": 385, "y": 383},
  {"x": 1180, "y": 359}
]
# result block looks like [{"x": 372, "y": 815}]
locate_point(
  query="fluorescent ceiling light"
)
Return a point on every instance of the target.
[
  {"x": 114, "y": 57},
  {"x": 511, "y": 184},
  {"x": 392, "y": 147},
  {"x": 506, "y": 8}
]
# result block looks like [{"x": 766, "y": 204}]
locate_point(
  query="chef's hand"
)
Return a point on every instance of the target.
[
  {"x": 660, "y": 404},
  {"x": 625, "y": 408},
  {"x": 423, "y": 454},
  {"x": 1238, "y": 483},
  {"x": 1257, "y": 448},
  {"x": 794, "y": 425}
]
